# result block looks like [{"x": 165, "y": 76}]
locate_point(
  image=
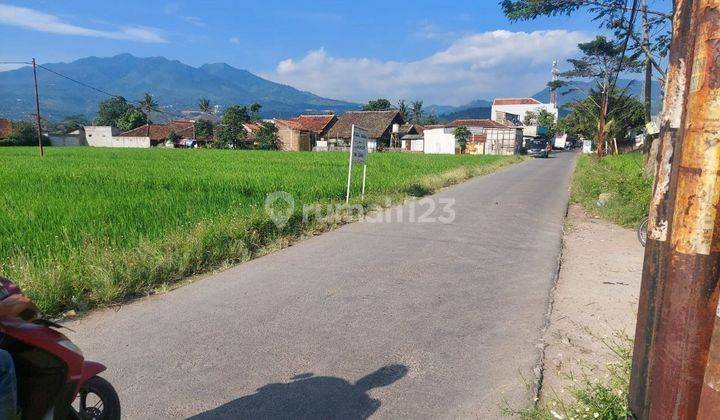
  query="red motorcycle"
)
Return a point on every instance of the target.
[{"x": 52, "y": 373}]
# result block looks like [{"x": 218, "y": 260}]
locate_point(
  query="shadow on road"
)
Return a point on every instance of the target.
[{"x": 310, "y": 397}]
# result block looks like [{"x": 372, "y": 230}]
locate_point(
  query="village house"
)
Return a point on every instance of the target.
[
  {"x": 411, "y": 137},
  {"x": 379, "y": 125},
  {"x": 487, "y": 138},
  {"x": 518, "y": 107},
  {"x": 292, "y": 136}
]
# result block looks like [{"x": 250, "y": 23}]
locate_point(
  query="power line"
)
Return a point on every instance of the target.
[
  {"x": 98, "y": 89},
  {"x": 78, "y": 82}
]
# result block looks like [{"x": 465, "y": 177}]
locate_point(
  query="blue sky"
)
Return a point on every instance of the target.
[{"x": 440, "y": 51}]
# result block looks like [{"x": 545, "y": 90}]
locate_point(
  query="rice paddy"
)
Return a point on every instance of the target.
[{"x": 83, "y": 227}]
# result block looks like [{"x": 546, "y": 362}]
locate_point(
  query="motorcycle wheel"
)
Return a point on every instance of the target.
[
  {"x": 97, "y": 399},
  {"x": 642, "y": 231}
]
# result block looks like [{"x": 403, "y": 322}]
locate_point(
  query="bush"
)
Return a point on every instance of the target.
[
  {"x": 622, "y": 178},
  {"x": 23, "y": 134}
]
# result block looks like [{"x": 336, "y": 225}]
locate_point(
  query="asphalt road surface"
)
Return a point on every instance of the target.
[{"x": 440, "y": 317}]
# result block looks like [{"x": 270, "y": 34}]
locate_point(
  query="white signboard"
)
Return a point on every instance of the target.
[
  {"x": 358, "y": 154},
  {"x": 359, "y": 144}
]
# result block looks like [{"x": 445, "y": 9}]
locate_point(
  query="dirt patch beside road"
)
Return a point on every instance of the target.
[{"x": 596, "y": 297}]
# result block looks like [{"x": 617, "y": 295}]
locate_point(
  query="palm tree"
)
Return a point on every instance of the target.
[
  {"x": 204, "y": 105},
  {"x": 403, "y": 109},
  {"x": 147, "y": 105},
  {"x": 417, "y": 111}
]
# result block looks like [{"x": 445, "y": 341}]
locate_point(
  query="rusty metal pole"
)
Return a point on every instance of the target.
[
  {"x": 656, "y": 250},
  {"x": 37, "y": 110},
  {"x": 689, "y": 301},
  {"x": 710, "y": 397}
]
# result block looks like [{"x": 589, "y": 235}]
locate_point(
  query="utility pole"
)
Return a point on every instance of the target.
[
  {"x": 37, "y": 110},
  {"x": 679, "y": 295}
]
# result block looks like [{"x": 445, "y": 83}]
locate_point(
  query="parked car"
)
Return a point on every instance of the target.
[{"x": 538, "y": 148}]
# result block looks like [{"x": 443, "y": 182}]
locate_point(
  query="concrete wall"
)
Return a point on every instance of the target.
[
  {"x": 416, "y": 145},
  {"x": 503, "y": 141},
  {"x": 439, "y": 141},
  {"x": 521, "y": 110},
  {"x": 68, "y": 140},
  {"x": 100, "y": 136},
  {"x": 136, "y": 142}
]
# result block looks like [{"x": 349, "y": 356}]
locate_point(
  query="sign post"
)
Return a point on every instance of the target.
[{"x": 358, "y": 154}]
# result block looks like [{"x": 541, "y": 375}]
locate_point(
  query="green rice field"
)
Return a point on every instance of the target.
[{"x": 84, "y": 227}]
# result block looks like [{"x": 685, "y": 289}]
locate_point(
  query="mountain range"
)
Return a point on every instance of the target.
[
  {"x": 174, "y": 85},
  {"x": 177, "y": 87}
]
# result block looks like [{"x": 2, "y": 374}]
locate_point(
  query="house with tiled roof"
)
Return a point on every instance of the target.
[
  {"x": 487, "y": 138},
  {"x": 379, "y": 125},
  {"x": 293, "y": 136}
]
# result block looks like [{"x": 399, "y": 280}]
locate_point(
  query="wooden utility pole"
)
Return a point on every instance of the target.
[
  {"x": 679, "y": 294},
  {"x": 37, "y": 110}
]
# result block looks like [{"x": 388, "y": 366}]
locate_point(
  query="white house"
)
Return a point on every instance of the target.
[
  {"x": 439, "y": 140},
  {"x": 519, "y": 107},
  {"x": 101, "y": 135}
]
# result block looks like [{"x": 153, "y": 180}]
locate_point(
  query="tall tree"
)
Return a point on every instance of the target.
[
  {"x": 600, "y": 60},
  {"x": 380, "y": 104},
  {"x": 204, "y": 105},
  {"x": 133, "y": 118},
  {"x": 652, "y": 39},
  {"x": 148, "y": 105},
  {"x": 255, "y": 111},
  {"x": 403, "y": 109},
  {"x": 625, "y": 115},
  {"x": 416, "y": 110},
  {"x": 232, "y": 133},
  {"x": 111, "y": 110}
]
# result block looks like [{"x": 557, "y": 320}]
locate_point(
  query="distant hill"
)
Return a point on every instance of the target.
[
  {"x": 175, "y": 86},
  {"x": 442, "y": 111},
  {"x": 468, "y": 113}
]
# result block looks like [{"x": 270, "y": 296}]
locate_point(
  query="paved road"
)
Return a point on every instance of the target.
[{"x": 400, "y": 319}]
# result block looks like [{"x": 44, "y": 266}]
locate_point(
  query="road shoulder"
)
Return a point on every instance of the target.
[{"x": 595, "y": 299}]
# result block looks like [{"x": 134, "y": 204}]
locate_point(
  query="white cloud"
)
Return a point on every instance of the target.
[
  {"x": 43, "y": 22},
  {"x": 483, "y": 65},
  {"x": 234, "y": 40}
]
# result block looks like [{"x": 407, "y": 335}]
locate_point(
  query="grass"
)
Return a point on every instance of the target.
[
  {"x": 84, "y": 227},
  {"x": 620, "y": 176},
  {"x": 588, "y": 397}
]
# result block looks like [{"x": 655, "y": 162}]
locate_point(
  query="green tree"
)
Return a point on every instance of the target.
[
  {"x": 416, "y": 111},
  {"x": 649, "y": 36},
  {"x": 173, "y": 137},
  {"x": 431, "y": 119},
  {"x": 132, "y": 118},
  {"x": 266, "y": 136},
  {"x": 232, "y": 133},
  {"x": 255, "y": 111},
  {"x": 403, "y": 109},
  {"x": 600, "y": 60},
  {"x": 380, "y": 104},
  {"x": 148, "y": 105},
  {"x": 203, "y": 129},
  {"x": 626, "y": 114},
  {"x": 462, "y": 135},
  {"x": 544, "y": 118},
  {"x": 71, "y": 123},
  {"x": 204, "y": 105},
  {"x": 111, "y": 110},
  {"x": 23, "y": 133}
]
